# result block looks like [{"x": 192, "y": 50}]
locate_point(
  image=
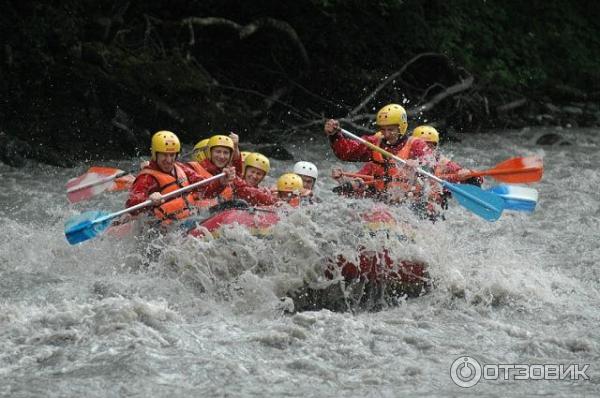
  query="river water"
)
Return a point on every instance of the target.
[{"x": 182, "y": 317}]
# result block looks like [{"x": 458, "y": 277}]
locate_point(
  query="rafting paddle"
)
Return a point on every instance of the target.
[
  {"x": 516, "y": 197},
  {"x": 92, "y": 223},
  {"x": 486, "y": 205},
  {"x": 97, "y": 180},
  {"x": 366, "y": 178},
  {"x": 514, "y": 170}
]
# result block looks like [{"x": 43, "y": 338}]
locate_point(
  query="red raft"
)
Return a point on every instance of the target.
[
  {"x": 258, "y": 221},
  {"x": 407, "y": 277}
]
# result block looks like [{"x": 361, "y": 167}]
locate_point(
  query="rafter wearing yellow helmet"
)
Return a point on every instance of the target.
[
  {"x": 256, "y": 167},
  {"x": 382, "y": 174},
  {"x": 243, "y": 155},
  {"x": 164, "y": 142},
  {"x": 393, "y": 115},
  {"x": 220, "y": 150},
  {"x": 199, "y": 153},
  {"x": 289, "y": 188},
  {"x": 427, "y": 133},
  {"x": 289, "y": 183}
]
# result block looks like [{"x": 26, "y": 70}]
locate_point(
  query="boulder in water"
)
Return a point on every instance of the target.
[
  {"x": 275, "y": 151},
  {"x": 548, "y": 139},
  {"x": 12, "y": 150}
]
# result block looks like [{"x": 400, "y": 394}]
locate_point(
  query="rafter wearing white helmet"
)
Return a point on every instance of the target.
[{"x": 309, "y": 173}]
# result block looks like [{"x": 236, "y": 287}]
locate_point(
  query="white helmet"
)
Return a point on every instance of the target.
[{"x": 306, "y": 169}]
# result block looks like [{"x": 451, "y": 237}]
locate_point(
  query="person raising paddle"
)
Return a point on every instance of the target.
[{"x": 388, "y": 178}]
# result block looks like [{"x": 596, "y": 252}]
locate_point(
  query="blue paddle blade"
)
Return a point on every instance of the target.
[
  {"x": 516, "y": 198},
  {"x": 486, "y": 205},
  {"x": 86, "y": 226},
  {"x": 519, "y": 205}
]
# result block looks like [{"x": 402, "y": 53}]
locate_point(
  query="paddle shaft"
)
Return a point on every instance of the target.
[
  {"x": 390, "y": 155},
  {"x": 501, "y": 172},
  {"x": 165, "y": 197},
  {"x": 492, "y": 172},
  {"x": 98, "y": 182},
  {"x": 445, "y": 184},
  {"x": 361, "y": 176}
]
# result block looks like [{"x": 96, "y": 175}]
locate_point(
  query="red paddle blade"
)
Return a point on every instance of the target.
[
  {"x": 104, "y": 171},
  {"x": 515, "y": 170},
  {"x": 518, "y": 170},
  {"x": 521, "y": 163},
  {"x": 122, "y": 183},
  {"x": 95, "y": 181}
]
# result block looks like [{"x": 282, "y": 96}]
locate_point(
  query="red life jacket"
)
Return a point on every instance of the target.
[
  {"x": 177, "y": 208},
  {"x": 388, "y": 175}
]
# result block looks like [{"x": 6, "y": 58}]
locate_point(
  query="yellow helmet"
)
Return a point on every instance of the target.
[
  {"x": 219, "y": 140},
  {"x": 244, "y": 154},
  {"x": 393, "y": 114},
  {"x": 259, "y": 161},
  {"x": 427, "y": 133},
  {"x": 164, "y": 142},
  {"x": 290, "y": 182},
  {"x": 200, "y": 150}
]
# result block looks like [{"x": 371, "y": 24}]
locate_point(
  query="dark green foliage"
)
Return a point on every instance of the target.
[{"x": 97, "y": 77}]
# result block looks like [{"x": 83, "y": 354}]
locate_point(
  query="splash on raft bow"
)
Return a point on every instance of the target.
[{"x": 366, "y": 279}]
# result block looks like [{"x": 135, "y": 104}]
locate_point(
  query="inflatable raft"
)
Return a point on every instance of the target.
[{"x": 373, "y": 270}]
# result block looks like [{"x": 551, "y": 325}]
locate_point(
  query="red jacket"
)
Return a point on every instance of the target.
[
  {"x": 253, "y": 195},
  {"x": 353, "y": 151},
  {"x": 445, "y": 166},
  {"x": 448, "y": 167},
  {"x": 145, "y": 184}
]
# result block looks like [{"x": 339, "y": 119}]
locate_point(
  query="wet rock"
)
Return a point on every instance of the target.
[
  {"x": 548, "y": 139},
  {"x": 592, "y": 107},
  {"x": 275, "y": 151},
  {"x": 545, "y": 118},
  {"x": 124, "y": 124},
  {"x": 13, "y": 151},
  {"x": 52, "y": 157},
  {"x": 552, "y": 108},
  {"x": 564, "y": 91},
  {"x": 451, "y": 135},
  {"x": 572, "y": 110}
]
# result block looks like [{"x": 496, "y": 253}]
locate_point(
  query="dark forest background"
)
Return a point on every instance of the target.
[{"x": 94, "y": 79}]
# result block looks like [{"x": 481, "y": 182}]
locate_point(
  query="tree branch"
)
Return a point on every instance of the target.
[
  {"x": 511, "y": 105},
  {"x": 457, "y": 88},
  {"x": 390, "y": 79}
]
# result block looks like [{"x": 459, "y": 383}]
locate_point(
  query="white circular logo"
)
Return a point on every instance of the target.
[{"x": 465, "y": 372}]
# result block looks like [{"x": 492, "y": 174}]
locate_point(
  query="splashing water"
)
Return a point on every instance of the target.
[{"x": 170, "y": 316}]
